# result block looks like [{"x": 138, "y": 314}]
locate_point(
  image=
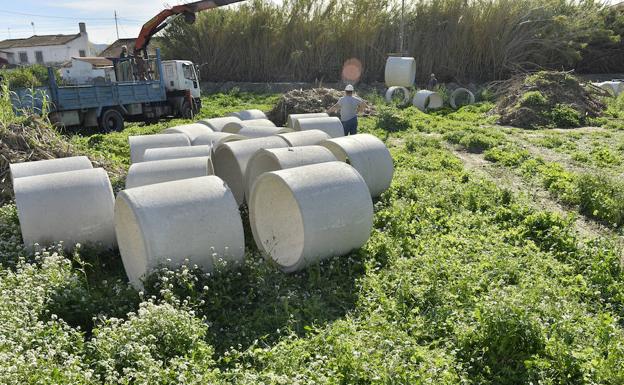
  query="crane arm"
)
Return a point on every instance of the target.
[{"x": 158, "y": 22}]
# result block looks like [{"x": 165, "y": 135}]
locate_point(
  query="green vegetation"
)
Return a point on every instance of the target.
[
  {"x": 26, "y": 77},
  {"x": 533, "y": 98}
]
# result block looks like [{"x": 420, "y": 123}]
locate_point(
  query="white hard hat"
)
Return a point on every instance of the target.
[{"x": 349, "y": 88}]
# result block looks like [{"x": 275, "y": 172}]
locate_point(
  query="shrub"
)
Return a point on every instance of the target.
[
  {"x": 601, "y": 197},
  {"x": 565, "y": 116},
  {"x": 392, "y": 119},
  {"x": 478, "y": 142},
  {"x": 533, "y": 98}
]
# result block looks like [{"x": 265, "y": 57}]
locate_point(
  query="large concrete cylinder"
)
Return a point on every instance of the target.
[
  {"x": 248, "y": 114},
  {"x": 427, "y": 100},
  {"x": 305, "y": 214},
  {"x": 282, "y": 158},
  {"x": 369, "y": 156},
  {"x": 176, "y": 153},
  {"x": 230, "y": 161},
  {"x": 72, "y": 207},
  {"x": 235, "y": 127},
  {"x": 167, "y": 223},
  {"x": 304, "y": 138},
  {"x": 292, "y": 118},
  {"x": 138, "y": 144},
  {"x": 159, "y": 171},
  {"x": 192, "y": 130},
  {"x": 461, "y": 92},
  {"x": 49, "y": 166},
  {"x": 400, "y": 71},
  {"x": 214, "y": 139},
  {"x": 332, "y": 126},
  {"x": 259, "y": 132},
  {"x": 392, "y": 90},
  {"x": 216, "y": 124}
]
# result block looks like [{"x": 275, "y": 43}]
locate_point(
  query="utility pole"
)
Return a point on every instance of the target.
[
  {"x": 33, "y": 25},
  {"x": 116, "y": 26},
  {"x": 402, "y": 29}
]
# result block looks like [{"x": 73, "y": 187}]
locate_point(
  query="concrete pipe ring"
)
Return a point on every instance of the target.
[
  {"x": 292, "y": 118},
  {"x": 191, "y": 130},
  {"x": 303, "y": 215},
  {"x": 426, "y": 100},
  {"x": 49, "y": 166},
  {"x": 216, "y": 124},
  {"x": 332, "y": 126},
  {"x": 235, "y": 127},
  {"x": 231, "y": 159},
  {"x": 400, "y": 71},
  {"x": 259, "y": 131},
  {"x": 138, "y": 144},
  {"x": 194, "y": 221},
  {"x": 248, "y": 115},
  {"x": 275, "y": 159},
  {"x": 392, "y": 91},
  {"x": 72, "y": 207},
  {"x": 461, "y": 92},
  {"x": 369, "y": 156},
  {"x": 164, "y": 153},
  {"x": 304, "y": 138},
  {"x": 160, "y": 171}
]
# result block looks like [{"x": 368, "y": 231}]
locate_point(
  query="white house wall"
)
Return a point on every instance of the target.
[{"x": 54, "y": 54}]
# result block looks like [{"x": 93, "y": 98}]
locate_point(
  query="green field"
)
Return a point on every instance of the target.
[{"x": 495, "y": 259}]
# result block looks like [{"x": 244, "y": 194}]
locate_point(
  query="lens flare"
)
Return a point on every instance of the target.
[{"x": 351, "y": 71}]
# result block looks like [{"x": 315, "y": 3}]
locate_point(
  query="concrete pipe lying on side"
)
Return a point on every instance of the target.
[
  {"x": 216, "y": 124},
  {"x": 167, "y": 223},
  {"x": 176, "y": 153},
  {"x": 72, "y": 207},
  {"x": 369, "y": 156},
  {"x": 231, "y": 159},
  {"x": 461, "y": 92},
  {"x": 304, "y": 138},
  {"x": 191, "y": 130},
  {"x": 215, "y": 139},
  {"x": 259, "y": 132},
  {"x": 400, "y": 71},
  {"x": 249, "y": 115},
  {"x": 306, "y": 214},
  {"x": 138, "y": 144},
  {"x": 332, "y": 126},
  {"x": 392, "y": 90},
  {"x": 160, "y": 171},
  {"x": 615, "y": 88},
  {"x": 292, "y": 118},
  {"x": 427, "y": 100},
  {"x": 282, "y": 158},
  {"x": 235, "y": 127},
  {"x": 49, "y": 166}
]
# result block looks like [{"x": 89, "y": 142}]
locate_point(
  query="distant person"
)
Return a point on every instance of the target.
[
  {"x": 433, "y": 82},
  {"x": 349, "y": 106},
  {"x": 124, "y": 52}
]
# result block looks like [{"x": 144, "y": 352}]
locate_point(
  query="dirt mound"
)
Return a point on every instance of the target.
[
  {"x": 547, "y": 99},
  {"x": 33, "y": 140},
  {"x": 306, "y": 101}
]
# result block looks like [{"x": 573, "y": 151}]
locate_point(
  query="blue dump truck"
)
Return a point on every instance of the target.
[{"x": 143, "y": 89}]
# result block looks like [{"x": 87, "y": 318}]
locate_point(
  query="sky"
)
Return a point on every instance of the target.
[{"x": 63, "y": 16}]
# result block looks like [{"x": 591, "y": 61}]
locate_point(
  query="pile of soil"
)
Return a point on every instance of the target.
[
  {"x": 547, "y": 99},
  {"x": 33, "y": 140},
  {"x": 306, "y": 101}
]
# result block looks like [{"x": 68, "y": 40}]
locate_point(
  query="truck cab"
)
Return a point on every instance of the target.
[{"x": 181, "y": 75}]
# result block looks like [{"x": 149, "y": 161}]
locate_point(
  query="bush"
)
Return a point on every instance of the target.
[
  {"x": 565, "y": 116},
  {"x": 391, "y": 119},
  {"x": 601, "y": 197},
  {"x": 533, "y": 98}
]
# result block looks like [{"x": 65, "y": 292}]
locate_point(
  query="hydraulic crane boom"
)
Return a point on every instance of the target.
[{"x": 158, "y": 22}]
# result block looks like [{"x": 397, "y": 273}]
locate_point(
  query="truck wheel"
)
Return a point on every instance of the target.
[{"x": 111, "y": 120}]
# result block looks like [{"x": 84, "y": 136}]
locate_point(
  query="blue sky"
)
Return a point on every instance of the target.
[{"x": 62, "y": 17}]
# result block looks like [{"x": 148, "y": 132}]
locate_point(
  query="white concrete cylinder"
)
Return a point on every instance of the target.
[
  {"x": 159, "y": 171},
  {"x": 259, "y": 132},
  {"x": 72, "y": 207},
  {"x": 138, "y": 144},
  {"x": 292, "y": 118},
  {"x": 49, "y": 166},
  {"x": 214, "y": 139},
  {"x": 235, "y": 127},
  {"x": 230, "y": 161},
  {"x": 615, "y": 88},
  {"x": 392, "y": 90},
  {"x": 167, "y": 223},
  {"x": 459, "y": 92},
  {"x": 332, "y": 125},
  {"x": 216, "y": 124},
  {"x": 427, "y": 100},
  {"x": 304, "y": 138},
  {"x": 305, "y": 214},
  {"x": 369, "y": 156},
  {"x": 282, "y": 158},
  {"x": 400, "y": 71},
  {"x": 248, "y": 114},
  {"x": 153, "y": 154},
  {"x": 191, "y": 130}
]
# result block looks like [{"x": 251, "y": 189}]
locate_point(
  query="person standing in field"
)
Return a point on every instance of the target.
[{"x": 349, "y": 106}]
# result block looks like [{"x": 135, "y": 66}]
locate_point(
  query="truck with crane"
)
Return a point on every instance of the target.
[{"x": 146, "y": 88}]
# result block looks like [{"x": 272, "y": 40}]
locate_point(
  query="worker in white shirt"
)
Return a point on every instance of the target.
[{"x": 349, "y": 106}]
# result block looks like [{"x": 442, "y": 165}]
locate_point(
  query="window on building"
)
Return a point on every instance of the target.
[
  {"x": 82, "y": 53},
  {"x": 39, "y": 57},
  {"x": 23, "y": 57}
]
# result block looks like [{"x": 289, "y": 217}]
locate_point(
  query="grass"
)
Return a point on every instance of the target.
[{"x": 461, "y": 282}]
